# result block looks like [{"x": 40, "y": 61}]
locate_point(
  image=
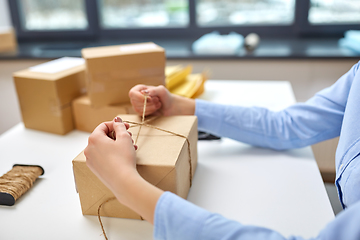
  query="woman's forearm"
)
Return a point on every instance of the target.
[{"x": 138, "y": 195}]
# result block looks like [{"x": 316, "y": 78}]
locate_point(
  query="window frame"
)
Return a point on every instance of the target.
[{"x": 300, "y": 27}]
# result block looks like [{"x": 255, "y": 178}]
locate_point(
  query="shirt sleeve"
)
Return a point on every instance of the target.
[
  {"x": 302, "y": 124},
  {"x": 178, "y": 219}
]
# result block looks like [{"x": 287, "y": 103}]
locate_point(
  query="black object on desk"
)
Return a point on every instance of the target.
[{"x": 207, "y": 136}]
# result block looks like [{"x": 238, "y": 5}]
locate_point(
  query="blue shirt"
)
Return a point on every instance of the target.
[{"x": 331, "y": 112}]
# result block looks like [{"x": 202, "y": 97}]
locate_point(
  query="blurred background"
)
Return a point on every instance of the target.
[{"x": 112, "y": 14}]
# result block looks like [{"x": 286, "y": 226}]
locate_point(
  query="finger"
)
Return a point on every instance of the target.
[
  {"x": 112, "y": 134},
  {"x": 127, "y": 125},
  {"x": 155, "y": 100},
  {"x": 139, "y": 99},
  {"x": 150, "y": 108},
  {"x": 103, "y": 129},
  {"x": 145, "y": 92},
  {"x": 138, "y": 103},
  {"x": 140, "y": 90},
  {"x": 156, "y": 91},
  {"x": 118, "y": 119},
  {"x": 120, "y": 130},
  {"x": 135, "y": 92},
  {"x": 138, "y": 87}
]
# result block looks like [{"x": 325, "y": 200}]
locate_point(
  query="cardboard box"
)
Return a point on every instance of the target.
[
  {"x": 7, "y": 40},
  {"x": 162, "y": 159},
  {"x": 113, "y": 70},
  {"x": 87, "y": 118},
  {"x": 45, "y": 93}
]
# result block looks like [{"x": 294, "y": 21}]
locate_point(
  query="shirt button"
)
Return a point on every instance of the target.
[{"x": 341, "y": 166}]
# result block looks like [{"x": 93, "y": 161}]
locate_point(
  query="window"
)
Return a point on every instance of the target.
[
  {"x": 143, "y": 13},
  {"x": 251, "y": 12},
  {"x": 53, "y": 14},
  {"x": 334, "y": 12},
  {"x": 180, "y": 19}
]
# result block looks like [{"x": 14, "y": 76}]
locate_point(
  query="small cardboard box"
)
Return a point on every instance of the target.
[
  {"x": 162, "y": 159},
  {"x": 113, "y": 70},
  {"x": 45, "y": 93},
  {"x": 87, "y": 118},
  {"x": 7, "y": 40}
]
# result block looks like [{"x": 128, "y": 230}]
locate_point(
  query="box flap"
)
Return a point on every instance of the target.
[
  {"x": 65, "y": 85},
  {"x": 27, "y": 73}
]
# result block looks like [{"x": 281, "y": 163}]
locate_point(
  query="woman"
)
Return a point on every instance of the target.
[{"x": 332, "y": 112}]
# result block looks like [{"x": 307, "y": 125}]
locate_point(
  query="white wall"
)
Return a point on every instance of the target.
[{"x": 4, "y": 14}]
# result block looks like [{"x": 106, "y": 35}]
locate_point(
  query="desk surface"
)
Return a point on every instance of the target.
[{"x": 282, "y": 190}]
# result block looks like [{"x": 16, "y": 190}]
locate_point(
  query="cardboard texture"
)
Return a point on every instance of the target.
[
  {"x": 87, "y": 118},
  {"x": 113, "y": 70},
  {"x": 8, "y": 40},
  {"x": 45, "y": 98},
  {"x": 162, "y": 159}
]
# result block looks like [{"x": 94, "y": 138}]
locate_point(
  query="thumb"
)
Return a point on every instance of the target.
[{"x": 119, "y": 128}]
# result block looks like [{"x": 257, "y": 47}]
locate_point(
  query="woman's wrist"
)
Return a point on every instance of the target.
[
  {"x": 183, "y": 106},
  {"x": 139, "y": 195},
  {"x": 124, "y": 182}
]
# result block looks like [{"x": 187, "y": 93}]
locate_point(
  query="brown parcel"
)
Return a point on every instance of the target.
[
  {"x": 45, "y": 98},
  {"x": 162, "y": 159},
  {"x": 87, "y": 118},
  {"x": 113, "y": 70},
  {"x": 8, "y": 41}
]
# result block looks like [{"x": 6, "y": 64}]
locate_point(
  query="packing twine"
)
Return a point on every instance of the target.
[
  {"x": 144, "y": 123},
  {"x": 18, "y": 181}
]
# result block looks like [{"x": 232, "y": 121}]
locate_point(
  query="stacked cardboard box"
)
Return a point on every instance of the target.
[
  {"x": 87, "y": 117},
  {"x": 111, "y": 72},
  {"x": 7, "y": 40},
  {"x": 163, "y": 159},
  {"x": 45, "y": 93},
  {"x": 48, "y": 92}
]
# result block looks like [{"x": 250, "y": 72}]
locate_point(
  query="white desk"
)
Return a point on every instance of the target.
[{"x": 280, "y": 190}]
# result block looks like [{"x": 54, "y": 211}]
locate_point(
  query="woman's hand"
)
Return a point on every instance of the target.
[
  {"x": 160, "y": 101},
  {"x": 110, "y": 155}
]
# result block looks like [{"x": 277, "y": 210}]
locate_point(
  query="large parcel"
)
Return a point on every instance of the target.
[{"x": 166, "y": 159}]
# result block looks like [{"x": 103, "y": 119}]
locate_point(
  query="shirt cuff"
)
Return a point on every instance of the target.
[{"x": 207, "y": 114}]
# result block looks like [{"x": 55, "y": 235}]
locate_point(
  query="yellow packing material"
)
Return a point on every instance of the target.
[
  {"x": 176, "y": 75},
  {"x": 170, "y": 70},
  {"x": 192, "y": 87}
]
